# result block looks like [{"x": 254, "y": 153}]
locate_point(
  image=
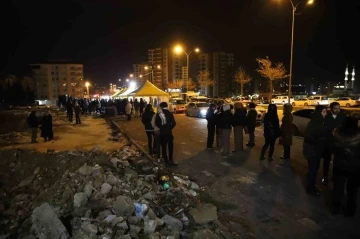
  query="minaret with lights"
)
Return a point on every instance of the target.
[
  {"x": 353, "y": 77},
  {"x": 346, "y": 76}
]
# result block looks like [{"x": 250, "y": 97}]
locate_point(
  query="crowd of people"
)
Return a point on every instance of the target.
[{"x": 330, "y": 133}]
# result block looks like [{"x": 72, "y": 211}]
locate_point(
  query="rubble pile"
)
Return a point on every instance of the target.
[{"x": 123, "y": 195}]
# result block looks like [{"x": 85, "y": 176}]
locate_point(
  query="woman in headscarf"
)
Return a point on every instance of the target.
[
  {"x": 271, "y": 131},
  {"x": 313, "y": 147},
  {"x": 286, "y": 132},
  {"x": 46, "y": 127},
  {"x": 146, "y": 120},
  {"x": 346, "y": 168}
]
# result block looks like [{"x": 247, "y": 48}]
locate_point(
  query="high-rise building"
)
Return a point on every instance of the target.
[
  {"x": 140, "y": 74},
  {"x": 221, "y": 68},
  {"x": 184, "y": 73},
  {"x": 158, "y": 62},
  {"x": 54, "y": 79},
  {"x": 177, "y": 64}
]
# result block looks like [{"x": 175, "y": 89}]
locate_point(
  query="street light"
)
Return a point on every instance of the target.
[
  {"x": 178, "y": 49},
  {"x": 87, "y": 84},
  {"x": 294, "y": 7},
  {"x": 131, "y": 75},
  {"x": 152, "y": 71}
]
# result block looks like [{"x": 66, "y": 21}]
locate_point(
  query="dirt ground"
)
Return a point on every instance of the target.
[{"x": 93, "y": 131}]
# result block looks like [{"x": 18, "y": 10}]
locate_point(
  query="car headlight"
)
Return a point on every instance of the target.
[{"x": 203, "y": 112}]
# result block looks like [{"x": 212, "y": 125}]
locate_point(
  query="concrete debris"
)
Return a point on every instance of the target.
[{"x": 118, "y": 195}]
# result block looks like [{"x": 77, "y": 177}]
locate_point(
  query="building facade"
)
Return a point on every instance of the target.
[
  {"x": 140, "y": 74},
  {"x": 158, "y": 62},
  {"x": 55, "y": 79}
]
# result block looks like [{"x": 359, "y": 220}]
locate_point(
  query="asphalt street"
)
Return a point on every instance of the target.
[{"x": 255, "y": 200}]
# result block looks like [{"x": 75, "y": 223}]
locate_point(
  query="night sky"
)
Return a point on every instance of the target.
[{"x": 109, "y": 36}]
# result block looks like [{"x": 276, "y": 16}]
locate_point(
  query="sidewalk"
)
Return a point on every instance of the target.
[{"x": 255, "y": 200}]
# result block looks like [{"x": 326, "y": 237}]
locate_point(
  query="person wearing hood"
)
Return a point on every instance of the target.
[
  {"x": 226, "y": 121},
  {"x": 239, "y": 124},
  {"x": 346, "y": 169},
  {"x": 271, "y": 131},
  {"x": 165, "y": 121},
  {"x": 313, "y": 147},
  {"x": 286, "y": 132},
  {"x": 146, "y": 119}
]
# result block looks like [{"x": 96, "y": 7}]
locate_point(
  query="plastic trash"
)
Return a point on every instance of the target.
[
  {"x": 140, "y": 209},
  {"x": 166, "y": 185}
]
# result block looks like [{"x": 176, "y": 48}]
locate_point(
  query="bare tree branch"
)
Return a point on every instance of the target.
[
  {"x": 242, "y": 78},
  {"x": 176, "y": 84}
]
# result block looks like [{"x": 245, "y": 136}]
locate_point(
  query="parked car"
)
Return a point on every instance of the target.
[
  {"x": 177, "y": 105},
  {"x": 302, "y": 117},
  {"x": 282, "y": 99},
  {"x": 301, "y": 102},
  {"x": 199, "y": 99},
  {"x": 348, "y": 101},
  {"x": 318, "y": 100},
  {"x": 197, "y": 109}
]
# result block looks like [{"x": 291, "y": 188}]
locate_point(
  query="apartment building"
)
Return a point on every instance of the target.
[
  {"x": 54, "y": 79},
  {"x": 158, "y": 61},
  {"x": 140, "y": 74},
  {"x": 177, "y": 64}
]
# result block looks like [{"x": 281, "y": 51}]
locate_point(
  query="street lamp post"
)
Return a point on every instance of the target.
[
  {"x": 294, "y": 8},
  {"x": 178, "y": 49},
  {"x": 152, "y": 71}
]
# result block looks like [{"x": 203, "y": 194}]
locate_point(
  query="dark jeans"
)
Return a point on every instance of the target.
[
  {"x": 326, "y": 164},
  {"x": 313, "y": 168},
  {"x": 269, "y": 141},
  {"x": 151, "y": 141},
  {"x": 70, "y": 117},
  {"x": 167, "y": 143},
  {"x": 129, "y": 117},
  {"x": 286, "y": 152},
  {"x": 251, "y": 136},
  {"x": 340, "y": 177},
  {"x": 77, "y": 118},
  {"x": 34, "y": 131},
  {"x": 211, "y": 135}
]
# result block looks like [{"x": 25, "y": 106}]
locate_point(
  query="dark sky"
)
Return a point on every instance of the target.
[{"x": 108, "y": 36}]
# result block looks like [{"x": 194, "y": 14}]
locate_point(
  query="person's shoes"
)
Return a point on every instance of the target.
[{"x": 325, "y": 181}]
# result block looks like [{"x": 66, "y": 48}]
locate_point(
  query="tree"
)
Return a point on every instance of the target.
[
  {"x": 270, "y": 71},
  {"x": 176, "y": 84},
  {"x": 191, "y": 85},
  {"x": 204, "y": 80},
  {"x": 242, "y": 78}
]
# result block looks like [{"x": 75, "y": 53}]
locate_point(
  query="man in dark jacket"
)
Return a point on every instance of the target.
[
  {"x": 313, "y": 147},
  {"x": 251, "y": 124},
  {"x": 210, "y": 117},
  {"x": 165, "y": 121},
  {"x": 225, "y": 122},
  {"x": 333, "y": 119},
  {"x": 346, "y": 165},
  {"x": 33, "y": 123},
  {"x": 239, "y": 123}
]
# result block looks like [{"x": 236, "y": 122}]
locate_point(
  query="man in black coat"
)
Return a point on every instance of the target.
[
  {"x": 251, "y": 124},
  {"x": 333, "y": 120},
  {"x": 211, "y": 123},
  {"x": 33, "y": 123}
]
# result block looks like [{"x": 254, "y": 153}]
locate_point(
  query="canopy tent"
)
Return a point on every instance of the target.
[
  {"x": 117, "y": 93},
  {"x": 148, "y": 89},
  {"x": 128, "y": 91}
]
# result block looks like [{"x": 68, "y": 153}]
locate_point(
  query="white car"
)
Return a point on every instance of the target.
[
  {"x": 177, "y": 105},
  {"x": 301, "y": 102},
  {"x": 197, "y": 109},
  {"x": 318, "y": 100},
  {"x": 348, "y": 101},
  {"x": 282, "y": 99}
]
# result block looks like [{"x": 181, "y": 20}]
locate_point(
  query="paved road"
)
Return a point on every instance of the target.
[{"x": 255, "y": 200}]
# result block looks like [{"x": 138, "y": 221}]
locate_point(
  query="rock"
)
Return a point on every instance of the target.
[
  {"x": 105, "y": 188},
  {"x": 37, "y": 170},
  {"x": 134, "y": 220},
  {"x": 150, "y": 195},
  {"x": 88, "y": 188},
  {"x": 117, "y": 220},
  {"x": 129, "y": 174},
  {"x": 26, "y": 181},
  {"x": 135, "y": 229},
  {"x": 80, "y": 199},
  {"x": 125, "y": 237},
  {"x": 191, "y": 193},
  {"x": 204, "y": 234},
  {"x": 46, "y": 223},
  {"x": 91, "y": 228},
  {"x": 112, "y": 180},
  {"x": 204, "y": 213},
  {"x": 98, "y": 181},
  {"x": 149, "y": 226},
  {"x": 150, "y": 214},
  {"x": 103, "y": 214},
  {"x": 123, "y": 206},
  {"x": 87, "y": 213},
  {"x": 125, "y": 163},
  {"x": 110, "y": 218},
  {"x": 123, "y": 226},
  {"x": 194, "y": 186},
  {"x": 67, "y": 194},
  {"x": 86, "y": 170},
  {"x": 175, "y": 223}
]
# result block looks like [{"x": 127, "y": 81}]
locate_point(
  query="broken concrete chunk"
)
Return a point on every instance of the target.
[
  {"x": 175, "y": 223},
  {"x": 204, "y": 213},
  {"x": 123, "y": 206},
  {"x": 80, "y": 199}
]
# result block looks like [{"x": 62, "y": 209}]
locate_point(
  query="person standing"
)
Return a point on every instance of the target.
[
  {"x": 33, "y": 123},
  {"x": 142, "y": 106},
  {"x": 251, "y": 124},
  {"x": 210, "y": 117},
  {"x": 128, "y": 109},
  {"x": 165, "y": 121},
  {"x": 313, "y": 147},
  {"x": 146, "y": 120},
  {"x": 239, "y": 124},
  {"x": 137, "y": 108},
  {"x": 271, "y": 131},
  {"x": 333, "y": 119},
  {"x": 218, "y": 126},
  {"x": 46, "y": 127},
  {"x": 77, "y": 110},
  {"x": 286, "y": 133},
  {"x": 157, "y": 142},
  {"x": 346, "y": 170},
  {"x": 69, "y": 110},
  {"x": 226, "y": 121}
]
